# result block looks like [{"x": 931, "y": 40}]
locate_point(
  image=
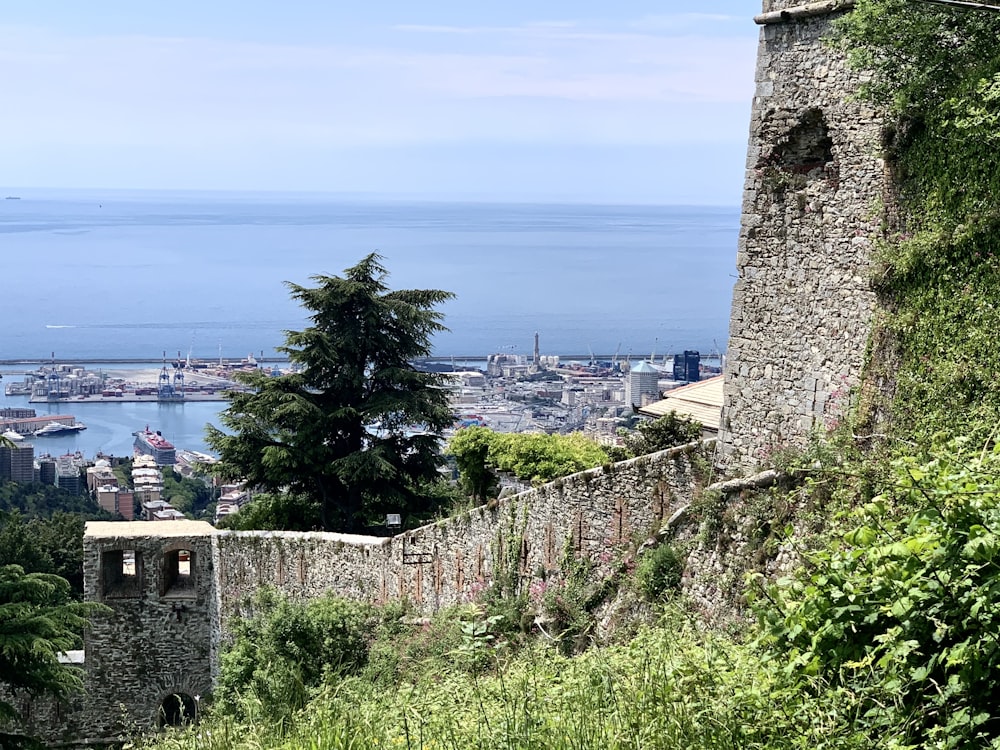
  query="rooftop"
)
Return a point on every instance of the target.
[
  {"x": 643, "y": 366},
  {"x": 701, "y": 401}
]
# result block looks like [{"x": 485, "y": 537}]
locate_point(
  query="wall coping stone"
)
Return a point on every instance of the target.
[
  {"x": 359, "y": 540},
  {"x": 799, "y": 12},
  {"x": 148, "y": 528}
]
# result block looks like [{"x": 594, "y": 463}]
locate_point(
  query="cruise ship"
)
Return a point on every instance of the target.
[{"x": 154, "y": 444}]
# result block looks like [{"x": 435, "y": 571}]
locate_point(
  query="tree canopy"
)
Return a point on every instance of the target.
[
  {"x": 355, "y": 428},
  {"x": 537, "y": 458},
  {"x": 38, "y": 621}
]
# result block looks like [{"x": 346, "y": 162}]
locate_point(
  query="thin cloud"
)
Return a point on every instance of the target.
[{"x": 539, "y": 82}]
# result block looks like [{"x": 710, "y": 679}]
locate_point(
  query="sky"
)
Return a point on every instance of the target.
[{"x": 638, "y": 102}]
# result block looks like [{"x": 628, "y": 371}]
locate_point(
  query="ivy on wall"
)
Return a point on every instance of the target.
[{"x": 936, "y": 71}]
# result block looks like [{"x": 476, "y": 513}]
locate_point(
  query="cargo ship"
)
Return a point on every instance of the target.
[{"x": 153, "y": 444}]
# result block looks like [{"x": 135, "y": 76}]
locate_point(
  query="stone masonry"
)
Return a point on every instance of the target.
[
  {"x": 813, "y": 199},
  {"x": 593, "y": 514},
  {"x": 158, "y": 581}
]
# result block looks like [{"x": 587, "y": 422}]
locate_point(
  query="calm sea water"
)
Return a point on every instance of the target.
[{"x": 119, "y": 274}]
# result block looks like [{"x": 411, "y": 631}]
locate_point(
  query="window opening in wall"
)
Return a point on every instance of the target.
[
  {"x": 121, "y": 573},
  {"x": 178, "y": 578},
  {"x": 177, "y": 709}
]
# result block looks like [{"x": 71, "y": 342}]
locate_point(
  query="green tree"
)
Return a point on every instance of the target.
[
  {"x": 356, "y": 428},
  {"x": 38, "y": 621},
  {"x": 471, "y": 448},
  {"x": 189, "y": 495},
  {"x": 534, "y": 457},
  {"x": 664, "y": 432},
  {"x": 275, "y": 510}
]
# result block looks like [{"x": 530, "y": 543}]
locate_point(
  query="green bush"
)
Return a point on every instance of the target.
[
  {"x": 532, "y": 457},
  {"x": 287, "y": 648},
  {"x": 902, "y": 610},
  {"x": 659, "y": 434},
  {"x": 659, "y": 573}
]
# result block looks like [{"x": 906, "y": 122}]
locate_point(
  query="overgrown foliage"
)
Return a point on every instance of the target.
[
  {"x": 936, "y": 70},
  {"x": 356, "y": 428},
  {"x": 901, "y": 610},
  {"x": 276, "y": 510},
  {"x": 39, "y": 500},
  {"x": 659, "y": 572},
  {"x": 287, "y": 649},
  {"x": 652, "y": 435},
  {"x": 41, "y": 529},
  {"x": 189, "y": 495},
  {"x": 533, "y": 457},
  {"x": 676, "y": 686},
  {"x": 45, "y": 545}
]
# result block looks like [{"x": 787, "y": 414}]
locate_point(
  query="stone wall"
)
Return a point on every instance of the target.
[
  {"x": 173, "y": 589},
  {"x": 815, "y": 188},
  {"x": 592, "y": 514}
]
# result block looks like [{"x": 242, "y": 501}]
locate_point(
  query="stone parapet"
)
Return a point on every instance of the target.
[{"x": 592, "y": 514}]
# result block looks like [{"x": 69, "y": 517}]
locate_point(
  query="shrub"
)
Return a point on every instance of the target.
[
  {"x": 659, "y": 573},
  {"x": 902, "y": 610},
  {"x": 668, "y": 431},
  {"x": 287, "y": 648},
  {"x": 532, "y": 457}
]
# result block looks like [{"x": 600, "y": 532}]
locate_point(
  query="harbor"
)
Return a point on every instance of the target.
[
  {"x": 505, "y": 392},
  {"x": 71, "y": 382}
]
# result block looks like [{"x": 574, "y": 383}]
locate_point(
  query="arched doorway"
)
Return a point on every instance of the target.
[{"x": 177, "y": 709}]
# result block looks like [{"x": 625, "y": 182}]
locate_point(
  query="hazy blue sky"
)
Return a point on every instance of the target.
[{"x": 637, "y": 101}]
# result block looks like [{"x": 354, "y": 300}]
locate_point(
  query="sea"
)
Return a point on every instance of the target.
[{"x": 153, "y": 275}]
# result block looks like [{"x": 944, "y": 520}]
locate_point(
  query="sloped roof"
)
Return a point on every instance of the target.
[
  {"x": 701, "y": 401},
  {"x": 642, "y": 366}
]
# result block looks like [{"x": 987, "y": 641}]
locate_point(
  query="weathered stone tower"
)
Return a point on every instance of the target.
[
  {"x": 812, "y": 205},
  {"x": 150, "y": 660}
]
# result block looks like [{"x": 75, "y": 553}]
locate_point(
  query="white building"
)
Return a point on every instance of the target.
[{"x": 642, "y": 382}]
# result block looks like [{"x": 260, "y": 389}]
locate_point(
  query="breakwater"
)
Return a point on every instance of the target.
[{"x": 227, "y": 362}]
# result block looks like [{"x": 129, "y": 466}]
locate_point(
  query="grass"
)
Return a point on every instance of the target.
[{"x": 673, "y": 686}]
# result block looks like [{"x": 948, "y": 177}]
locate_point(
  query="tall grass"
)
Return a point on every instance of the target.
[{"x": 671, "y": 687}]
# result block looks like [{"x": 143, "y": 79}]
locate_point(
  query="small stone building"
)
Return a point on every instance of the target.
[{"x": 149, "y": 660}]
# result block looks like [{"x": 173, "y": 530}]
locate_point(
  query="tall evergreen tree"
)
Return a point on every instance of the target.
[
  {"x": 38, "y": 621},
  {"x": 337, "y": 430}
]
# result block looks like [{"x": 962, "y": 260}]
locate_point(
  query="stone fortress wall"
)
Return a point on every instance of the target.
[
  {"x": 594, "y": 514},
  {"x": 814, "y": 200}
]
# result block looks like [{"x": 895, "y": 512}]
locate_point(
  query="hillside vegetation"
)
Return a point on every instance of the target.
[
  {"x": 886, "y": 637},
  {"x": 937, "y": 71}
]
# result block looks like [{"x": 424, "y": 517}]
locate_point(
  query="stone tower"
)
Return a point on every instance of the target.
[
  {"x": 812, "y": 206},
  {"x": 149, "y": 660}
]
